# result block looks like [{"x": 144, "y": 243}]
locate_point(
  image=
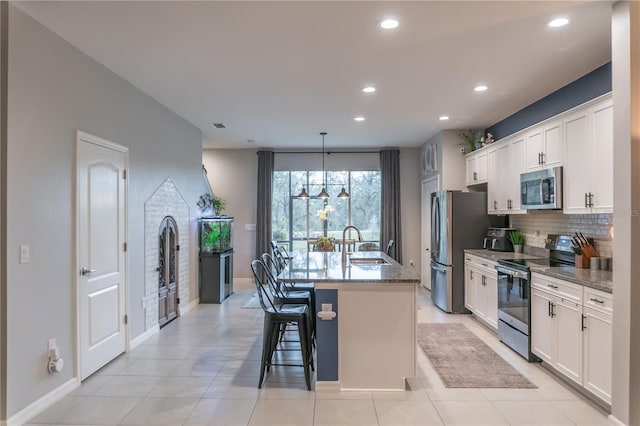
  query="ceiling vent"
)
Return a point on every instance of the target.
[{"x": 219, "y": 125}]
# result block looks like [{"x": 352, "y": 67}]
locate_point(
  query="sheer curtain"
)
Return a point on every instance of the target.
[
  {"x": 263, "y": 219},
  {"x": 390, "y": 226}
]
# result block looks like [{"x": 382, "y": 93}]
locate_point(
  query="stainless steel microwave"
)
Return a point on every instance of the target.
[{"x": 541, "y": 189}]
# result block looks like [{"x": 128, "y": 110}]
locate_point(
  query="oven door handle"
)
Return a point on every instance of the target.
[{"x": 511, "y": 272}]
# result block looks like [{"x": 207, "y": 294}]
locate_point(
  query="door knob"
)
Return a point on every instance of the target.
[{"x": 86, "y": 271}]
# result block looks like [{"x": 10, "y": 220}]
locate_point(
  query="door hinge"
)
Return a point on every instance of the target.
[
  {"x": 126, "y": 319},
  {"x": 177, "y": 247},
  {"x": 124, "y": 246},
  {"x": 124, "y": 174}
]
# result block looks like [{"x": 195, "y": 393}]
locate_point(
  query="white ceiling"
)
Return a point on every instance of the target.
[{"x": 280, "y": 72}]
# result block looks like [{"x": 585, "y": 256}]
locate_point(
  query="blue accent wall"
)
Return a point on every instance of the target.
[
  {"x": 587, "y": 87},
  {"x": 327, "y": 338}
]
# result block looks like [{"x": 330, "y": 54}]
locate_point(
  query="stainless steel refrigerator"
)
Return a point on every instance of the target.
[{"x": 459, "y": 221}]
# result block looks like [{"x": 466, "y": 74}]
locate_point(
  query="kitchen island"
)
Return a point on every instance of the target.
[{"x": 370, "y": 342}]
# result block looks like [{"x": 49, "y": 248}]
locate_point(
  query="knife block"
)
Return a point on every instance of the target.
[{"x": 582, "y": 261}]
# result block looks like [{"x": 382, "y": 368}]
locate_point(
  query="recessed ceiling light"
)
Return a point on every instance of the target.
[
  {"x": 218, "y": 125},
  {"x": 251, "y": 141},
  {"x": 480, "y": 88},
  {"x": 388, "y": 23},
  {"x": 368, "y": 89},
  {"x": 444, "y": 117},
  {"x": 558, "y": 22},
  {"x": 359, "y": 118}
]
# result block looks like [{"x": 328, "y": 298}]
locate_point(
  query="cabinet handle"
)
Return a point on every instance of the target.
[
  {"x": 471, "y": 274},
  {"x": 542, "y": 158},
  {"x": 583, "y": 327},
  {"x": 597, "y": 301},
  {"x": 484, "y": 280},
  {"x": 552, "y": 286},
  {"x": 586, "y": 204},
  {"x": 549, "y": 307},
  {"x": 495, "y": 205},
  {"x": 553, "y": 310},
  {"x": 475, "y": 175},
  {"x": 590, "y": 200}
]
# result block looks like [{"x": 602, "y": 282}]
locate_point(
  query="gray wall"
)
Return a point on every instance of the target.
[
  {"x": 3, "y": 204},
  {"x": 54, "y": 90},
  {"x": 233, "y": 176}
]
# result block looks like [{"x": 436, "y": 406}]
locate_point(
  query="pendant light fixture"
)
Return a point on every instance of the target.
[
  {"x": 303, "y": 195},
  {"x": 323, "y": 195}
]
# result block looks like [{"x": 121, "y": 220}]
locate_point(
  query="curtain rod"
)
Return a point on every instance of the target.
[{"x": 327, "y": 152}]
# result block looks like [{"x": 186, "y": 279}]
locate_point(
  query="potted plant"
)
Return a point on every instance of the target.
[
  {"x": 219, "y": 204},
  {"x": 325, "y": 243},
  {"x": 517, "y": 239}
]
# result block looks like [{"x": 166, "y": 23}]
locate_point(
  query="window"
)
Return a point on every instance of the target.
[{"x": 295, "y": 221}]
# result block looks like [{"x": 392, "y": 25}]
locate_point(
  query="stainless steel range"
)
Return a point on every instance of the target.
[{"x": 514, "y": 302}]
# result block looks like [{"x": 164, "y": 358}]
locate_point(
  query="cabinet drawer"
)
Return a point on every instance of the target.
[
  {"x": 563, "y": 289},
  {"x": 598, "y": 300},
  {"x": 487, "y": 267}
]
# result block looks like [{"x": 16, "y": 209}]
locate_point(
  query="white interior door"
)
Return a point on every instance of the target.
[
  {"x": 428, "y": 186},
  {"x": 100, "y": 252}
]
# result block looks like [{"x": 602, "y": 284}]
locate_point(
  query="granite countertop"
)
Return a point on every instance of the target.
[
  {"x": 327, "y": 267},
  {"x": 600, "y": 280},
  {"x": 501, "y": 255}
]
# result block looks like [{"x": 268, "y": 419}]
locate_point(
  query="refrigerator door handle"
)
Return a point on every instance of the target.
[
  {"x": 438, "y": 267},
  {"x": 435, "y": 227}
]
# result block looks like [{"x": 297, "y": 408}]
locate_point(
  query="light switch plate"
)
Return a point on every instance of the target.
[{"x": 24, "y": 253}]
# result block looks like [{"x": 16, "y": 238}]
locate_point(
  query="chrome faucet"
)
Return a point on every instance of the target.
[{"x": 344, "y": 245}]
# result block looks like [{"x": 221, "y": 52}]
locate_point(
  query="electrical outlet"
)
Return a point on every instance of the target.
[
  {"x": 411, "y": 262},
  {"x": 52, "y": 344}
]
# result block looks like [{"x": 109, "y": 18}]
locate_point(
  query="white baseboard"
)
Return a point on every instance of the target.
[
  {"x": 327, "y": 386},
  {"x": 190, "y": 306},
  {"x": 144, "y": 336},
  {"x": 37, "y": 407},
  {"x": 614, "y": 421}
]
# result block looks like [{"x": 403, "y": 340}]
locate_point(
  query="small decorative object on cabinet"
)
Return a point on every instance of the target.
[{"x": 216, "y": 259}]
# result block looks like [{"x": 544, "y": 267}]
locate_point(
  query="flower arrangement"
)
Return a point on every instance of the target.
[
  {"x": 323, "y": 214},
  {"x": 473, "y": 139},
  {"x": 325, "y": 243}
]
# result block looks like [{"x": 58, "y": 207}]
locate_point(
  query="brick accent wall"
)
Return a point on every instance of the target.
[
  {"x": 165, "y": 201},
  {"x": 536, "y": 225}
]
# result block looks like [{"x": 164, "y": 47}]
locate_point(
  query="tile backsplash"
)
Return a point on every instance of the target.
[{"x": 536, "y": 225}]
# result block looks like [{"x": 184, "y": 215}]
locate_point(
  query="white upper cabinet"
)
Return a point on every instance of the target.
[
  {"x": 476, "y": 168},
  {"x": 493, "y": 180},
  {"x": 588, "y": 159},
  {"x": 510, "y": 164},
  {"x": 580, "y": 140},
  {"x": 544, "y": 146}
]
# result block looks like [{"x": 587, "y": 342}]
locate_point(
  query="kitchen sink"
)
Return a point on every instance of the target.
[{"x": 368, "y": 261}]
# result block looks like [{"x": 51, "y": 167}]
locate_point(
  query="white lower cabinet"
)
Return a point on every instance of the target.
[
  {"x": 597, "y": 323},
  {"x": 571, "y": 331},
  {"x": 481, "y": 289}
]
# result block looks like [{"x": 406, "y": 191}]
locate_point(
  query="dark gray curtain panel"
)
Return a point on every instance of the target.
[
  {"x": 390, "y": 226},
  {"x": 265, "y": 189}
]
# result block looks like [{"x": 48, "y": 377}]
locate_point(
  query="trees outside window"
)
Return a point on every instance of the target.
[{"x": 295, "y": 221}]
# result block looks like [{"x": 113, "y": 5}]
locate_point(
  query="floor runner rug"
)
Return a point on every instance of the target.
[{"x": 463, "y": 360}]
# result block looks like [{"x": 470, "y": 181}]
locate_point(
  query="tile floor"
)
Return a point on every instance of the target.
[{"x": 202, "y": 369}]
